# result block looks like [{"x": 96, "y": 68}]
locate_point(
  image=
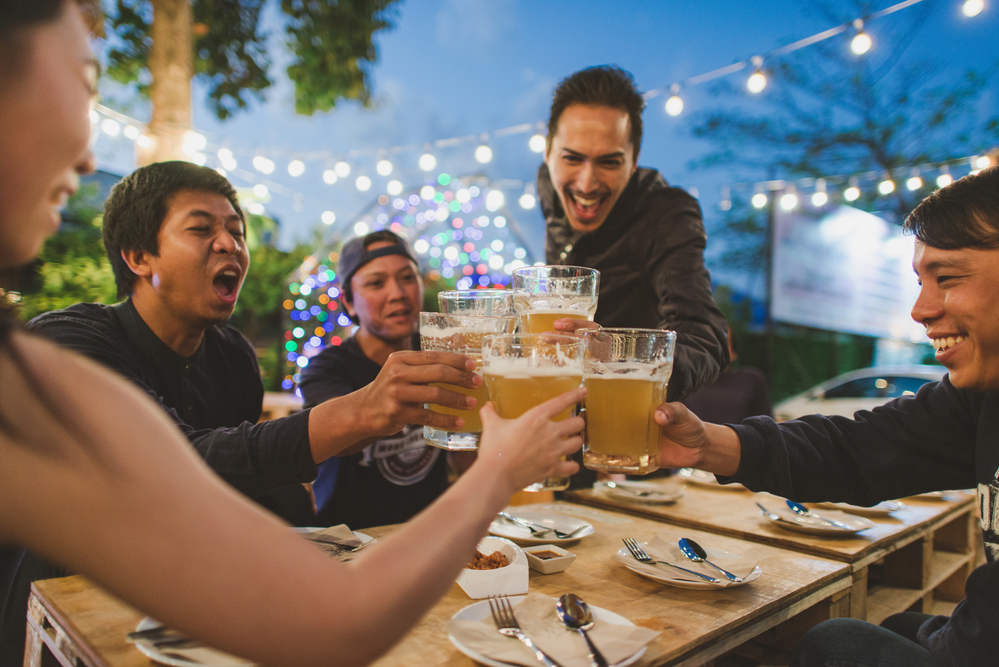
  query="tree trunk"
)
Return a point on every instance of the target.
[{"x": 171, "y": 67}]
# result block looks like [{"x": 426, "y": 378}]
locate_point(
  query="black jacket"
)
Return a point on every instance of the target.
[
  {"x": 650, "y": 254},
  {"x": 941, "y": 438}
]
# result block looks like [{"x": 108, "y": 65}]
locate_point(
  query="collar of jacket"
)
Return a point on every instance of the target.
[{"x": 561, "y": 238}]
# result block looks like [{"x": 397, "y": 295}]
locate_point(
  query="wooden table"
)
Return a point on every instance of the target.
[
  {"x": 80, "y": 624},
  {"x": 907, "y": 561}
]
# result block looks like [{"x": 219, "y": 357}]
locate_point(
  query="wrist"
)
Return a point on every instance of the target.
[{"x": 721, "y": 452}]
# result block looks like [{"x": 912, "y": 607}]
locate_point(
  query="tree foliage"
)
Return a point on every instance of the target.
[{"x": 332, "y": 42}]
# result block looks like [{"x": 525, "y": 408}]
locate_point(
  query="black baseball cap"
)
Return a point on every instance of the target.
[{"x": 355, "y": 253}]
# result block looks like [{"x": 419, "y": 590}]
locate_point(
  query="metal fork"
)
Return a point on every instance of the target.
[
  {"x": 506, "y": 623},
  {"x": 635, "y": 492},
  {"x": 537, "y": 529},
  {"x": 639, "y": 554}
]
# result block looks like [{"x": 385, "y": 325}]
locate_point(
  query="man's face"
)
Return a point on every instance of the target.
[
  {"x": 387, "y": 296},
  {"x": 959, "y": 306},
  {"x": 590, "y": 160},
  {"x": 202, "y": 258}
]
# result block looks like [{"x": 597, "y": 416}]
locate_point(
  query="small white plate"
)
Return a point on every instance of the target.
[
  {"x": 176, "y": 659},
  {"x": 566, "y": 524},
  {"x": 663, "y": 495},
  {"x": 701, "y": 478},
  {"x": 480, "y": 612},
  {"x": 801, "y": 524},
  {"x": 884, "y": 508},
  {"x": 714, "y": 555}
]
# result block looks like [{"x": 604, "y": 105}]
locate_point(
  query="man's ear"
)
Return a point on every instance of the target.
[
  {"x": 138, "y": 262},
  {"x": 347, "y": 306}
]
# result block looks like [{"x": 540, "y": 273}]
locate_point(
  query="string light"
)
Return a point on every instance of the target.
[
  {"x": 725, "y": 202},
  {"x": 394, "y": 187},
  {"x": 329, "y": 177},
  {"x": 886, "y": 187},
  {"x": 758, "y": 81},
  {"x": 944, "y": 179},
  {"x": 110, "y": 127},
  {"x": 788, "y": 201},
  {"x": 494, "y": 200},
  {"x": 819, "y": 197},
  {"x": 144, "y": 141},
  {"x": 527, "y": 200},
  {"x": 384, "y": 167},
  {"x": 759, "y": 200},
  {"x": 260, "y": 190},
  {"x": 263, "y": 165},
  {"x": 852, "y": 193},
  {"x": 224, "y": 154},
  {"x": 296, "y": 168},
  {"x": 982, "y": 162},
  {"x": 483, "y": 153},
  {"x": 674, "y": 105},
  {"x": 328, "y": 217},
  {"x": 427, "y": 161},
  {"x": 363, "y": 183},
  {"x": 342, "y": 169},
  {"x": 861, "y": 42},
  {"x": 199, "y": 159},
  {"x": 360, "y": 228},
  {"x": 537, "y": 143},
  {"x": 132, "y": 132},
  {"x": 972, "y": 7}
]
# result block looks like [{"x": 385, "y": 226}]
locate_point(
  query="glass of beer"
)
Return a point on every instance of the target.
[
  {"x": 488, "y": 302},
  {"x": 543, "y": 294},
  {"x": 462, "y": 334},
  {"x": 525, "y": 370},
  {"x": 627, "y": 372}
]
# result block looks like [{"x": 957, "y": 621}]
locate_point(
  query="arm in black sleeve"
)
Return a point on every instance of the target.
[
  {"x": 254, "y": 458},
  {"x": 912, "y": 445},
  {"x": 970, "y": 636},
  {"x": 327, "y": 376},
  {"x": 675, "y": 266}
]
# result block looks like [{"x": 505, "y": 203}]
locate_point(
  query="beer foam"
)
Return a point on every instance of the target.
[
  {"x": 628, "y": 370},
  {"x": 523, "y": 368}
]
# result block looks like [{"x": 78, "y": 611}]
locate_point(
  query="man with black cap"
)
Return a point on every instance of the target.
[{"x": 393, "y": 478}]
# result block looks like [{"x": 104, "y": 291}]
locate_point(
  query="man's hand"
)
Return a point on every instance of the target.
[
  {"x": 397, "y": 395},
  {"x": 530, "y": 448},
  {"x": 687, "y": 442},
  {"x": 569, "y": 324}
]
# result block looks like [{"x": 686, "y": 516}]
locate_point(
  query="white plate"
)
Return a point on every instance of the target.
[
  {"x": 684, "y": 583},
  {"x": 801, "y": 524},
  {"x": 165, "y": 658},
  {"x": 566, "y": 524},
  {"x": 884, "y": 508},
  {"x": 701, "y": 478},
  {"x": 663, "y": 496},
  {"x": 480, "y": 612}
]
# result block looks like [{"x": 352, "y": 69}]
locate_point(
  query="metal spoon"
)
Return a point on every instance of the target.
[
  {"x": 635, "y": 492},
  {"x": 696, "y": 553},
  {"x": 801, "y": 510},
  {"x": 575, "y": 614}
]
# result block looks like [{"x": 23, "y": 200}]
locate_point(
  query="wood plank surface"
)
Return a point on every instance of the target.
[
  {"x": 695, "y": 625},
  {"x": 734, "y": 513}
]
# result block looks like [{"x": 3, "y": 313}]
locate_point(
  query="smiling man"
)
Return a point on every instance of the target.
[
  {"x": 646, "y": 238},
  {"x": 944, "y": 437},
  {"x": 395, "y": 477},
  {"x": 174, "y": 233}
]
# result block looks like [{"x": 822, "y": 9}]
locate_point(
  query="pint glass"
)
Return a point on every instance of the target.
[
  {"x": 462, "y": 334},
  {"x": 488, "y": 302},
  {"x": 627, "y": 372},
  {"x": 543, "y": 294},
  {"x": 525, "y": 370}
]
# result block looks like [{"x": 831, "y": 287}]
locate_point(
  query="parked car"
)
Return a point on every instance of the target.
[{"x": 862, "y": 389}]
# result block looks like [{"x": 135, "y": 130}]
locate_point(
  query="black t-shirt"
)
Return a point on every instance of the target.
[
  {"x": 393, "y": 478},
  {"x": 736, "y": 395}
]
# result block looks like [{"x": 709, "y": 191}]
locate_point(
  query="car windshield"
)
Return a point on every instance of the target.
[{"x": 884, "y": 386}]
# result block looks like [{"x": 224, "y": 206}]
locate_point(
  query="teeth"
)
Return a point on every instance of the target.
[
  {"x": 230, "y": 273},
  {"x": 587, "y": 202},
  {"x": 940, "y": 344}
]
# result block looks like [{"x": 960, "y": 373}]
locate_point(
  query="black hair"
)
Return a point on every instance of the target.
[
  {"x": 346, "y": 291},
  {"x": 965, "y": 214},
  {"x": 604, "y": 86},
  {"x": 137, "y": 206},
  {"x": 19, "y": 15}
]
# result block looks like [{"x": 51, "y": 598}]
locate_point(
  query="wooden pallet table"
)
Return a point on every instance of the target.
[{"x": 906, "y": 562}]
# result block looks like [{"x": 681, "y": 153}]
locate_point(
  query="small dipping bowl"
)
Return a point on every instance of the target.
[
  {"x": 509, "y": 580},
  {"x": 548, "y": 558}
]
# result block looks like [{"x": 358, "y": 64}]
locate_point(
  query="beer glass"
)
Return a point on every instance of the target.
[
  {"x": 462, "y": 334},
  {"x": 525, "y": 370},
  {"x": 543, "y": 294},
  {"x": 627, "y": 372},
  {"x": 488, "y": 302}
]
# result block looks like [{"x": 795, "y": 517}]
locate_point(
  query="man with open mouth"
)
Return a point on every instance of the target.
[
  {"x": 646, "y": 238},
  {"x": 174, "y": 233}
]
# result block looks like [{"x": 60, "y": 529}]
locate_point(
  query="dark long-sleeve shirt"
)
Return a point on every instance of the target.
[{"x": 941, "y": 438}]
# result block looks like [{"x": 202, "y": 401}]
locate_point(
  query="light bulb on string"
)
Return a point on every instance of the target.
[
  {"x": 861, "y": 42},
  {"x": 144, "y": 141},
  {"x": 224, "y": 154},
  {"x": 363, "y": 183},
  {"x": 342, "y": 169},
  {"x": 394, "y": 187},
  {"x": 427, "y": 161},
  {"x": 973, "y": 7},
  {"x": 820, "y": 198},
  {"x": 110, "y": 127},
  {"x": 674, "y": 105},
  {"x": 494, "y": 200},
  {"x": 536, "y": 143},
  {"x": 384, "y": 167},
  {"x": 328, "y": 217},
  {"x": 329, "y": 177},
  {"x": 484, "y": 153},
  {"x": 199, "y": 159},
  {"x": 296, "y": 168},
  {"x": 789, "y": 200},
  {"x": 528, "y": 200},
  {"x": 260, "y": 190},
  {"x": 887, "y": 186},
  {"x": 758, "y": 81},
  {"x": 759, "y": 200},
  {"x": 262, "y": 164},
  {"x": 944, "y": 179},
  {"x": 132, "y": 132},
  {"x": 725, "y": 201},
  {"x": 852, "y": 192},
  {"x": 914, "y": 182},
  {"x": 982, "y": 162}
]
